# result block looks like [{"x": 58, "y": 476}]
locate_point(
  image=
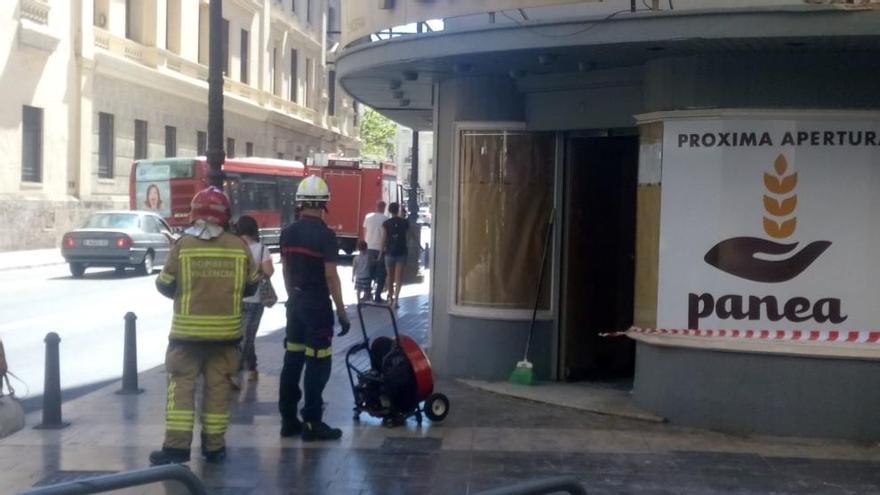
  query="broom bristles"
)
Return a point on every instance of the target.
[{"x": 523, "y": 374}]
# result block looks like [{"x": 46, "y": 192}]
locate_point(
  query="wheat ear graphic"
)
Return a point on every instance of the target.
[{"x": 780, "y": 202}]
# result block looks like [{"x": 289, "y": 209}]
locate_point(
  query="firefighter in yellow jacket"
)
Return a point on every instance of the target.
[{"x": 207, "y": 273}]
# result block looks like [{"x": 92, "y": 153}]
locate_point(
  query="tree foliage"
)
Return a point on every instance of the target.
[{"x": 377, "y": 134}]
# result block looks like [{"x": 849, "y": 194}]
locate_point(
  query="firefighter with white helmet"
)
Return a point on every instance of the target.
[
  {"x": 207, "y": 273},
  {"x": 308, "y": 257}
]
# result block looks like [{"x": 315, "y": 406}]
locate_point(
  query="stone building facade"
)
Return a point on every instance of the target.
[{"x": 91, "y": 85}]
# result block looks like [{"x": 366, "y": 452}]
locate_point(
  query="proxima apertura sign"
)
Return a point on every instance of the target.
[{"x": 769, "y": 224}]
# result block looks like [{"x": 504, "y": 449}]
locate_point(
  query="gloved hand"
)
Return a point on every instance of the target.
[{"x": 344, "y": 322}]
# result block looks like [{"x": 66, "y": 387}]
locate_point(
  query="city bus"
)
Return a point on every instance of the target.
[{"x": 263, "y": 188}]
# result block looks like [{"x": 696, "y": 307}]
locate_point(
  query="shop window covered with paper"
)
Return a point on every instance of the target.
[{"x": 505, "y": 197}]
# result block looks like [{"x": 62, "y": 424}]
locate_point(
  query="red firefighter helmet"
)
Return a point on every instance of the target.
[{"x": 210, "y": 205}]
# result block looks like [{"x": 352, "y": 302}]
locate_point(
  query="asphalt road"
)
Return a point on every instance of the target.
[{"x": 87, "y": 314}]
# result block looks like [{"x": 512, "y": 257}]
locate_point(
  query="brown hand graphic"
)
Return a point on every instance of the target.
[{"x": 736, "y": 256}]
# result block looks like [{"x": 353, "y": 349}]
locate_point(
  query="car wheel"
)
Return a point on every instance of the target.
[
  {"x": 77, "y": 270},
  {"x": 146, "y": 266}
]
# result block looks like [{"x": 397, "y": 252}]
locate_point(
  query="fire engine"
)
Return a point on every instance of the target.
[{"x": 356, "y": 185}]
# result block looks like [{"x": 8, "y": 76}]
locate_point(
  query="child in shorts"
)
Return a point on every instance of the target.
[{"x": 361, "y": 274}]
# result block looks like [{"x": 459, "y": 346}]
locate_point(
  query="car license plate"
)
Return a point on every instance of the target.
[{"x": 95, "y": 242}]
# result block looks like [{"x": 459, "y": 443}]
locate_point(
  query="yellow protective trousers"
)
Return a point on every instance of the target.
[{"x": 184, "y": 362}]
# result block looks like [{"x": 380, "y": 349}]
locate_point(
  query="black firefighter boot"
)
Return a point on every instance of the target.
[
  {"x": 213, "y": 456},
  {"x": 169, "y": 456},
  {"x": 291, "y": 427},
  {"x": 317, "y": 430}
]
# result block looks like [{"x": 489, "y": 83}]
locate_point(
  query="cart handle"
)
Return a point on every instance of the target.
[{"x": 367, "y": 304}]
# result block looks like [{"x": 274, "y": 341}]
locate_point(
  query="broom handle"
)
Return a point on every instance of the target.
[{"x": 540, "y": 279}]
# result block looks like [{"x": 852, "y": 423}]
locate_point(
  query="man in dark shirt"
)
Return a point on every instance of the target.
[
  {"x": 308, "y": 257},
  {"x": 394, "y": 233}
]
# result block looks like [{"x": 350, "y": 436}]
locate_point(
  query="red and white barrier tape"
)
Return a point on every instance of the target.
[{"x": 839, "y": 336}]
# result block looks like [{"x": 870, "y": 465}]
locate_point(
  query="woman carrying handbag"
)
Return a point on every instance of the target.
[
  {"x": 11, "y": 412},
  {"x": 252, "y": 307}
]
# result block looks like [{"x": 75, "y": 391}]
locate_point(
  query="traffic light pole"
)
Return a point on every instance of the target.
[{"x": 215, "y": 154}]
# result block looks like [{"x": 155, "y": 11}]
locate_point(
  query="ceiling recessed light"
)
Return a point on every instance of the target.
[{"x": 546, "y": 58}]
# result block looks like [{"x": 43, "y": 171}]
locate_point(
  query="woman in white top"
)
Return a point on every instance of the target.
[{"x": 252, "y": 309}]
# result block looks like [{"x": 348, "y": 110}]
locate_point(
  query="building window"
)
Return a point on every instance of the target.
[
  {"x": 309, "y": 83},
  {"x": 331, "y": 92},
  {"x": 129, "y": 19},
  {"x": 293, "y": 5},
  {"x": 172, "y": 26},
  {"x": 294, "y": 74},
  {"x": 332, "y": 29},
  {"x": 230, "y": 148},
  {"x": 170, "y": 141},
  {"x": 245, "y": 66},
  {"x": 224, "y": 44},
  {"x": 248, "y": 149},
  {"x": 140, "y": 139},
  {"x": 106, "y": 152},
  {"x": 309, "y": 11},
  {"x": 201, "y": 143},
  {"x": 204, "y": 25},
  {"x": 31, "y": 144},
  {"x": 500, "y": 237},
  {"x": 274, "y": 73}
]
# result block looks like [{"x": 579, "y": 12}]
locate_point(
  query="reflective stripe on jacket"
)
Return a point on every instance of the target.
[{"x": 207, "y": 279}]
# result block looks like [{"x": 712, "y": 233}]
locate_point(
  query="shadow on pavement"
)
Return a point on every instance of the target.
[
  {"x": 35, "y": 403},
  {"x": 108, "y": 274}
]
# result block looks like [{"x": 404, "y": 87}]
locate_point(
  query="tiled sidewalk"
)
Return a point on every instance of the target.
[{"x": 488, "y": 440}]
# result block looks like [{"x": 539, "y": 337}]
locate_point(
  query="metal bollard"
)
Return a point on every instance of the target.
[
  {"x": 52, "y": 386},
  {"x": 129, "y": 358}
]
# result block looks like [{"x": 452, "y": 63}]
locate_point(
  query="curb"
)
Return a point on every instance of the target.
[{"x": 31, "y": 265}]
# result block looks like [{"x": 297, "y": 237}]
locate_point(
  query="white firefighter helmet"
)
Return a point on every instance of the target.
[{"x": 313, "y": 190}]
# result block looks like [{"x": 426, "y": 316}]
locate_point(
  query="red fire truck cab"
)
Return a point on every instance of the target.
[{"x": 356, "y": 185}]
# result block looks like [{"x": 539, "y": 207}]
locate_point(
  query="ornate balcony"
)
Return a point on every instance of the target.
[{"x": 33, "y": 25}]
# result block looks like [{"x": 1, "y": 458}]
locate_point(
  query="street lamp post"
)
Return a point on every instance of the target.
[
  {"x": 413, "y": 203},
  {"x": 215, "y": 153}
]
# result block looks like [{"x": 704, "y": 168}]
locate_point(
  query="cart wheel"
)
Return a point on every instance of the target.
[{"x": 436, "y": 407}]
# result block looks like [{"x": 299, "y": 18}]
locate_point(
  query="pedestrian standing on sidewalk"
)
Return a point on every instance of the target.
[
  {"x": 207, "y": 273},
  {"x": 394, "y": 232},
  {"x": 373, "y": 235},
  {"x": 252, "y": 308},
  {"x": 361, "y": 273},
  {"x": 308, "y": 259}
]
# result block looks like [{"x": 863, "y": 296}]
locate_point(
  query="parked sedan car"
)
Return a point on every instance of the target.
[{"x": 119, "y": 239}]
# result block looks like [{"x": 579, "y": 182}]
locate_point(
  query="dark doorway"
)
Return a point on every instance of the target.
[{"x": 598, "y": 251}]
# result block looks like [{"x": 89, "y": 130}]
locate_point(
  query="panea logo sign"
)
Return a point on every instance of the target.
[
  {"x": 739, "y": 255},
  {"x": 769, "y": 224},
  {"x": 749, "y": 258}
]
